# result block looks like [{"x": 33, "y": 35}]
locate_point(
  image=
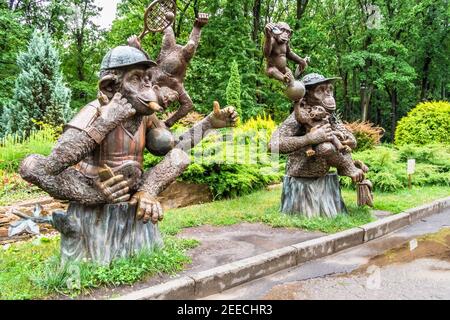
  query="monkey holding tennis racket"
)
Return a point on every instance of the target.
[{"x": 172, "y": 63}]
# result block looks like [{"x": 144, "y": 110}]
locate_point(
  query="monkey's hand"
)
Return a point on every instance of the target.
[
  {"x": 202, "y": 20},
  {"x": 289, "y": 77},
  {"x": 117, "y": 111},
  {"x": 268, "y": 29},
  {"x": 134, "y": 42},
  {"x": 115, "y": 189},
  {"x": 340, "y": 135},
  {"x": 224, "y": 118},
  {"x": 307, "y": 60},
  {"x": 148, "y": 208},
  {"x": 320, "y": 134}
]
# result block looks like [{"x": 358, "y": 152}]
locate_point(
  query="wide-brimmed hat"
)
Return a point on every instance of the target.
[{"x": 313, "y": 79}]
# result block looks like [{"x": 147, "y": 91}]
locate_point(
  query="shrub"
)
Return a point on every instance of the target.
[
  {"x": 388, "y": 166},
  {"x": 427, "y": 123},
  {"x": 233, "y": 162},
  {"x": 233, "y": 92},
  {"x": 367, "y": 134}
]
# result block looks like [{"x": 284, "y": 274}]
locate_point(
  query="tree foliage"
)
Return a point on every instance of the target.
[
  {"x": 234, "y": 88},
  {"x": 40, "y": 93},
  {"x": 390, "y": 54}
]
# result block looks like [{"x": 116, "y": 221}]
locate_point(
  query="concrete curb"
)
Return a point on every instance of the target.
[{"x": 209, "y": 282}]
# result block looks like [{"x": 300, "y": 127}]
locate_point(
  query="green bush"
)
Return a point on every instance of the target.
[
  {"x": 388, "y": 166},
  {"x": 367, "y": 134},
  {"x": 233, "y": 162},
  {"x": 427, "y": 123}
]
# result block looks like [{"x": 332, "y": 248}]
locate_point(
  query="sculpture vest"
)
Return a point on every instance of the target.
[{"x": 119, "y": 149}]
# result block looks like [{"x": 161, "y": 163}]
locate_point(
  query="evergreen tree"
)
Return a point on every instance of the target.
[
  {"x": 40, "y": 93},
  {"x": 234, "y": 88}
]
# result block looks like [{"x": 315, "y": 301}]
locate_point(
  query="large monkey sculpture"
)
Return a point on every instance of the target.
[
  {"x": 114, "y": 132},
  {"x": 172, "y": 64},
  {"x": 292, "y": 138}
]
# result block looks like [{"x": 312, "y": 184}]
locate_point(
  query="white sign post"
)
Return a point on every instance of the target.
[{"x": 411, "y": 170}]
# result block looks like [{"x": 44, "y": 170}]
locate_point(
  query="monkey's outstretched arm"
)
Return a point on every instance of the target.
[
  {"x": 291, "y": 55},
  {"x": 168, "y": 41},
  {"x": 157, "y": 179},
  {"x": 219, "y": 118},
  {"x": 191, "y": 47},
  {"x": 195, "y": 135}
]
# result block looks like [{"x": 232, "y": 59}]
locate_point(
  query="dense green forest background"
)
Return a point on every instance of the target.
[{"x": 390, "y": 54}]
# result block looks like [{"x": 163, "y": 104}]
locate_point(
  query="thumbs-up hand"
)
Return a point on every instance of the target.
[{"x": 223, "y": 118}]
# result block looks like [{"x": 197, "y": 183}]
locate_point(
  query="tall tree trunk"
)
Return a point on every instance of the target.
[
  {"x": 425, "y": 77},
  {"x": 394, "y": 105},
  {"x": 366, "y": 96},
  {"x": 347, "y": 106},
  {"x": 256, "y": 21},
  {"x": 301, "y": 8},
  {"x": 196, "y": 8}
]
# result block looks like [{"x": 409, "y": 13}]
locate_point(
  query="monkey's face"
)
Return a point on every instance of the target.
[
  {"x": 318, "y": 113},
  {"x": 137, "y": 88},
  {"x": 322, "y": 95},
  {"x": 166, "y": 96},
  {"x": 282, "y": 33},
  {"x": 134, "y": 85}
]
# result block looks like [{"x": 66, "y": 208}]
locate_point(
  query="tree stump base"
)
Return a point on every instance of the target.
[
  {"x": 312, "y": 197},
  {"x": 104, "y": 233}
]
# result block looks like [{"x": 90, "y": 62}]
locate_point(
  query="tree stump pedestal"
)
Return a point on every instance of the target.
[
  {"x": 312, "y": 197},
  {"x": 103, "y": 233}
]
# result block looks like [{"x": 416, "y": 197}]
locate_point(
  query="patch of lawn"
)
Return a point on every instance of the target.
[
  {"x": 14, "y": 189},
  {"x": 18, "y": 263},
  {"x": 407, "y": 199},
  {"x": 9, "y": 198},
  {"x": 32, "y": 270},
  {"x": 263, "y": 207},
  {"x": 259, "y": 207}
]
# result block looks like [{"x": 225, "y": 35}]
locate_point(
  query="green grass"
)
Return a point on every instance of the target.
[
  {"x": 407, "y": 199},
  {"x": 263, "y": 207},
  {"x": 13, "y": 149},
  {"x": 32, "y": 270},
  {"x": 9, "y": 196},
  {"x": 14, "y": 189},
  {"x": 259, "y": 207}
]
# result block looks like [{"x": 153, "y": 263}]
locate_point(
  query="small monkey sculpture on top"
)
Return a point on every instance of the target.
[
  {"x": 173, "y": 61},
  {"x": 277, "y": 52}
]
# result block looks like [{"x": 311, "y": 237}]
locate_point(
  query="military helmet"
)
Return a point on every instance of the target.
[
  {"x": 313, "y": 79},
  {"x": 124, "y": 56}
]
